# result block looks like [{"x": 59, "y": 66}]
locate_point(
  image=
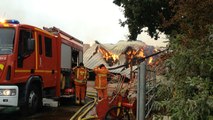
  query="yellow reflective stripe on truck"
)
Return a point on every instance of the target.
[
  {"x": 44, "y": 71},
  {"x": 22, "y": 71},
  {"x": 38, "y": 71},
  {"x": 36, "y": 50}
]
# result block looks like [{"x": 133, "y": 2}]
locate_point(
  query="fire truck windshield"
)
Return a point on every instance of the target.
[{"x": 7, "y": 36}]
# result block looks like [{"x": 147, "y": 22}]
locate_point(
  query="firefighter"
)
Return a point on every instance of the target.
[
  {"x": 101, "y": 81},
  {"x": 80, "y": 81}
]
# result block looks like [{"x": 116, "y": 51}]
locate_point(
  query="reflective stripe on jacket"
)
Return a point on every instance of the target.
[{"x": 80, "y": 81}]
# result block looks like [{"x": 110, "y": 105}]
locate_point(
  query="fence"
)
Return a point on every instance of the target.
[{"x": 146, "y": 91}]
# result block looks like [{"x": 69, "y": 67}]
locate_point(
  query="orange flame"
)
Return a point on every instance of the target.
[
  {"x": 108, "y": 56},
  {"x": 150, "y": 60},
  {"x": 115, "y": 57},
  {"x": 141, "y": 53},
  {"x": 132, "y": 53}
]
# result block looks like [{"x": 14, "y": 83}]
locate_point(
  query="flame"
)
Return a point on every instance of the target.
[
  {"x": 150, "y": 60},
  {"x": 104, "y": 53},
  {"x": 131, "y": 54},
  {"x": 115, "y": 57},
  {"x": 109, "y": 56},
  {"x": 141, "y": 53}
]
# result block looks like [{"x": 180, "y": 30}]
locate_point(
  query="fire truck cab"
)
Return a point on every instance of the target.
[{"x": 33, "y": 62}]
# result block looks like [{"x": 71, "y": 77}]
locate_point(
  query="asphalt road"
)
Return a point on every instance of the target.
[{"x": 64, "y": 112}]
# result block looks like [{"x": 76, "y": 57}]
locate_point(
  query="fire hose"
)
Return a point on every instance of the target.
[
  {"x": 84, "y": 113},
  {"x": 93, "y": 102},
  {"x": 94, "y": 96}
]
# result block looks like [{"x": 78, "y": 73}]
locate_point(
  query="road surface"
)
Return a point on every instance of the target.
[{"x": 64, "y": 112}]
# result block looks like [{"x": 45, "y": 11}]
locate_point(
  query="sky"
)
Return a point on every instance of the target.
[{"x": 86, "y": 20}]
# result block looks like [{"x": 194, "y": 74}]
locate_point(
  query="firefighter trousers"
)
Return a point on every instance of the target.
[
  {"x": 80, "y": 92},
  {"x": 102, "y": 94}
]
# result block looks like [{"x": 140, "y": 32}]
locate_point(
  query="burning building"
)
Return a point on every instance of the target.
[{"x": 124, "y": 56}]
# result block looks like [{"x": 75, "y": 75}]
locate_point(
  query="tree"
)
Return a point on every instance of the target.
[
  {"x": 191, "y": 66},
  {"x": 189, "y": 26},
  {"x": 146, "y": 13}
]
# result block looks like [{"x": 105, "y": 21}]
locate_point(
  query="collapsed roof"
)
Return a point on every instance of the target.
[{"x": 116, "y": 55}]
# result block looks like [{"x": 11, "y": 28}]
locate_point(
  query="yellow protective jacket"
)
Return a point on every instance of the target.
[
  {"x": 101, "y": 77},
  {"x": 81, "y": 75}
]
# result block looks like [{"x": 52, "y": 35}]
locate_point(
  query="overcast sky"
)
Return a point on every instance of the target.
[{"x": 87, "y": 20}]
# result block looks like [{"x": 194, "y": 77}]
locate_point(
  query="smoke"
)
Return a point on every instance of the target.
[{"x": 87, "y": 20}]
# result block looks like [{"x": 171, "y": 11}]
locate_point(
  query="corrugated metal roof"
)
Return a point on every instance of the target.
[{"x": 93, "y": 58}]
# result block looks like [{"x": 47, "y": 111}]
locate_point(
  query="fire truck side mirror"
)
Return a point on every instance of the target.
[{"x": 30, "y": 44}]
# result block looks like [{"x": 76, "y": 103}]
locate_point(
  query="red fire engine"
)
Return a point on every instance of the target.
[{"x": 33, "y": 62}]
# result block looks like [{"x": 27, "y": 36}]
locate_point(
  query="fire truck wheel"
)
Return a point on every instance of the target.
[{"x": 33, "y": 101}]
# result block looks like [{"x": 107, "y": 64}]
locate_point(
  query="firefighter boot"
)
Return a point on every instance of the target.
[
  {"x": 77, "y": 101},
  {"x": 83, "y": 101}
]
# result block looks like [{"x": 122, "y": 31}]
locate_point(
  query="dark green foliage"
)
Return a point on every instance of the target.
[
  {"x": 146, "y": 13},
  {"x": 191, "y": 70},
  {"x": 191, "y": 79},
  {"x": 189, "y": 26}
]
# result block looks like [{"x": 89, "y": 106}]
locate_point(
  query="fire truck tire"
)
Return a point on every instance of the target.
[{"x": 33, "y": 101}]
